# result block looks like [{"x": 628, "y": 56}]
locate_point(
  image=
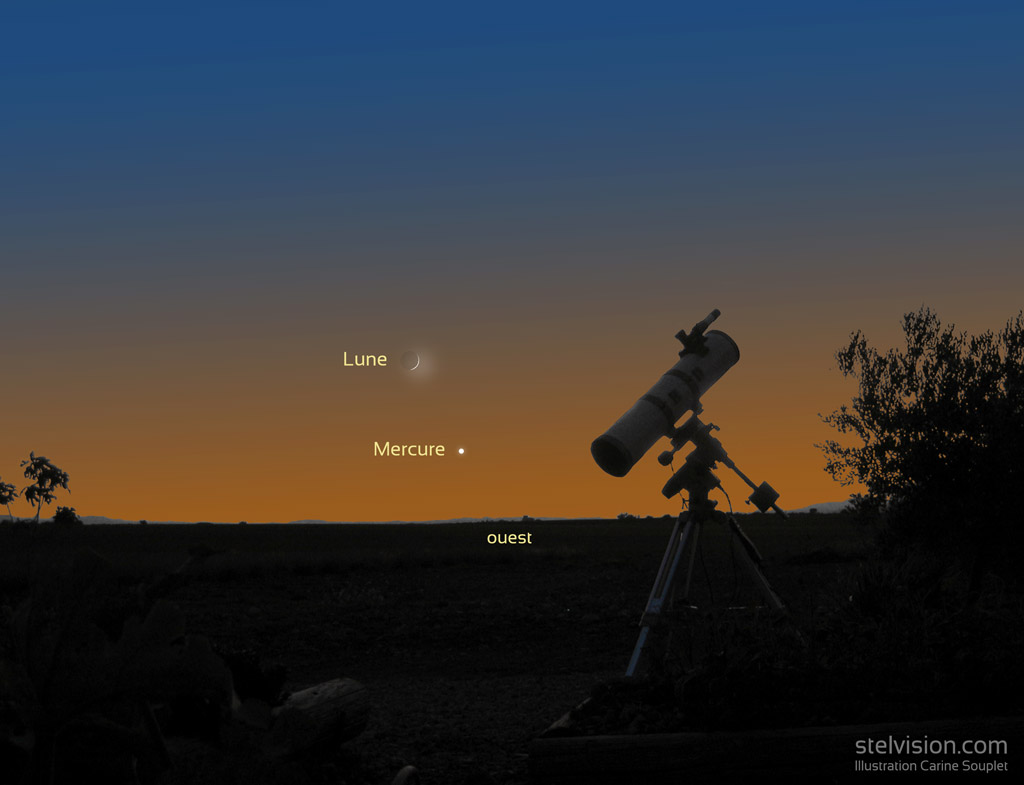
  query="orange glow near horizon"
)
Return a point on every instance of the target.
[{"x": 219, "y": 427}]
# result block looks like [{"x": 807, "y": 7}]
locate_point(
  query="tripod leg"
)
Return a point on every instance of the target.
[
  {"x": 661, "y": 592},
  {"x": 751, "y": 559},
  {"x": 693, "y": 556},
  {"x": 653, "y": 599},
  {"x": 638, "y": 650}
]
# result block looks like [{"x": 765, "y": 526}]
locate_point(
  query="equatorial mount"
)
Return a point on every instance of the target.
[{"x": 706, "y": 453}]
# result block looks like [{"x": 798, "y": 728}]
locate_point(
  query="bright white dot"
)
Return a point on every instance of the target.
[{"x": 461, "y": 451}]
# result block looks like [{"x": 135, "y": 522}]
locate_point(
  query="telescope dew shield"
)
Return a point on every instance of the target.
[{"x": 678, "y": 391}]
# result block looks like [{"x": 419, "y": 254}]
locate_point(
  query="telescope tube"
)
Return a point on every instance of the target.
[{"x": 656, "y": 413}]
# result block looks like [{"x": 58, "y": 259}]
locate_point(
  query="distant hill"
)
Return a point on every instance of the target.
[
  {"x": 100, "y": 519},
  {"x": 826, "y": 507}
]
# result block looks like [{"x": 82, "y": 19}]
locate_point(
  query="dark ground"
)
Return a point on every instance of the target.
[{"x": 469, "y": 649}]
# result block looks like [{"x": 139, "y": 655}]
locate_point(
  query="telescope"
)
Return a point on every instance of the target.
[{"x": 704, "y": 359}]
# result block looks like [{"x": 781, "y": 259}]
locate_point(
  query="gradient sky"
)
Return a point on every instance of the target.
[{"x": 205, "y": 204}]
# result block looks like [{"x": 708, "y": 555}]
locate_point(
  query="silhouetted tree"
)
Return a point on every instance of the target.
[
  {"x": 66, "y": 516},
  {"x": 941, "y": 426},
  {"x": 46, "y": 479},
  {"x": 8, "y": 493}
]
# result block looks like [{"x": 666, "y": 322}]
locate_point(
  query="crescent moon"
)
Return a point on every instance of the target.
[{"x": 411, "y": 361}]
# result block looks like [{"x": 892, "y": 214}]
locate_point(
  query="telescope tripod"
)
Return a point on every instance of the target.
[{"x": 677, "y": 564}]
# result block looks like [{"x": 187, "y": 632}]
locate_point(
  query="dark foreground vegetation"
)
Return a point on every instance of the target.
[{"x": 468, "y": 650}]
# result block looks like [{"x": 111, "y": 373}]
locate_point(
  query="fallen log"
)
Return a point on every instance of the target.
[{"x": 328, "y": 713}]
